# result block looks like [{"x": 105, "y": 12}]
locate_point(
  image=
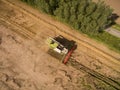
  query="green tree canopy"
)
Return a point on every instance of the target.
[{"x": 84, "y": 15}]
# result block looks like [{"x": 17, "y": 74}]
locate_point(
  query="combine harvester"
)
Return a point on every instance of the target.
[{"x": 61, "y": 48}]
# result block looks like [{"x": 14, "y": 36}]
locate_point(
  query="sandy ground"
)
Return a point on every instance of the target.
[
  {"x": 25, "y": 64},
  {"x": 25, "y": 67}
]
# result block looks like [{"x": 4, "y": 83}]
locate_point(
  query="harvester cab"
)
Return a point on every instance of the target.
[{"x": 61, "y": 48}]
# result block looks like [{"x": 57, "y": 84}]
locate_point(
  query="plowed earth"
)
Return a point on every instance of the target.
[{"x": 25, "y": 64}]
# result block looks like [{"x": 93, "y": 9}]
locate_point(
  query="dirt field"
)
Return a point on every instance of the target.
[{"x": 25, "y": 64}]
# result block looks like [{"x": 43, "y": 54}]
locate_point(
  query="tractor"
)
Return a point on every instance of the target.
[{"x": 61, "y": 48}]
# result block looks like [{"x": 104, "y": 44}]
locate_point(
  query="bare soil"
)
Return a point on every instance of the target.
[{"x": 26, "y": 65}]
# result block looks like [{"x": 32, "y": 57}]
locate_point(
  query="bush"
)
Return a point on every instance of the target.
[{"x": 84, "y": 15}]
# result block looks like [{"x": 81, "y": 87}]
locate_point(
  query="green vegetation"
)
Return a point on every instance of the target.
[
  {"x": 116, "y": 26},
  {"x": 109, "y": 40},
  {"x": 84, "y": 15}
]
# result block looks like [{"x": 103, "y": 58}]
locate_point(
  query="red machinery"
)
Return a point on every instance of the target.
[{"x": 61, "y": 48}]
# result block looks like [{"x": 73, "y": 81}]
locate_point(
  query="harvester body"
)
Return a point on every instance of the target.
[{"x": 61, "y": 48}]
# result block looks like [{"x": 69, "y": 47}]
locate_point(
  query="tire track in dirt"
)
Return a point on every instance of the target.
[
  {"x": 111, "y": 61},
  {"x": 20, "y": 29},
  {"x": 94, "y": 74}
]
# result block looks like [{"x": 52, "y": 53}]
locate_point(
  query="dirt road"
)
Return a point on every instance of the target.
[
  {"x": 113, "y": 32},
  {"x": 24, "y": 31}
]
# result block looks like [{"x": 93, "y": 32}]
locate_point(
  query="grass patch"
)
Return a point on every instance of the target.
[
  {"x": 116, "y": 26},
  {"x": 109, "y": 40}
]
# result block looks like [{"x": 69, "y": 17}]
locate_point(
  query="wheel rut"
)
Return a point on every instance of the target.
[{"x": 25, "y": 32}]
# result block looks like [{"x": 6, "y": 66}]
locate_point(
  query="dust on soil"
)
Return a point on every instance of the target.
[{"x": 25, "y": 65}]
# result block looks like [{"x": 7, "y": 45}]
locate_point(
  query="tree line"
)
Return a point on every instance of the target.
[{"x": 84, "y": 15}]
